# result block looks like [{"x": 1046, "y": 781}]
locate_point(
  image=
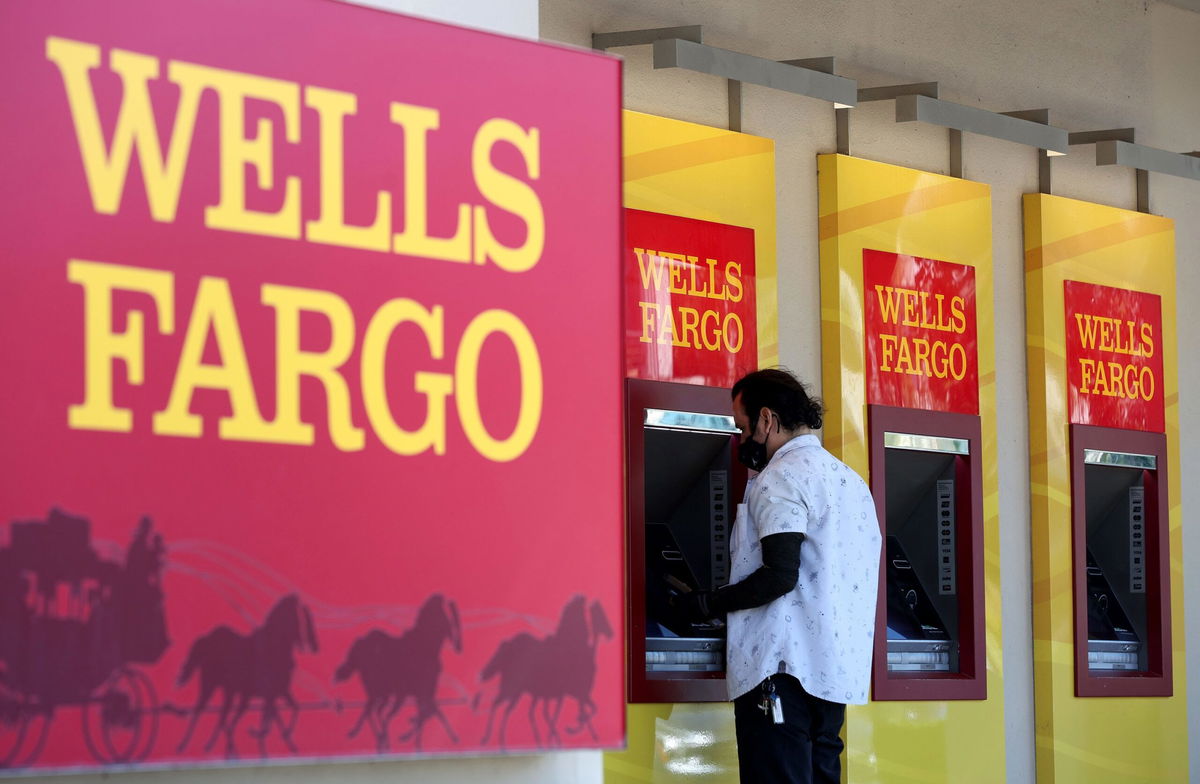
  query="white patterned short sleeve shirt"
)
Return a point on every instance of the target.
[{"x": 822, "y": 632}]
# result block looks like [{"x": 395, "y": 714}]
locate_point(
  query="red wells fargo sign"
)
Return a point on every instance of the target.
[
  {"x": 1114, "y": 357},
  {"x": 689, "y": 299},
  {"x": 921, "y": 334},
  {"x": 292, "y": 368}
]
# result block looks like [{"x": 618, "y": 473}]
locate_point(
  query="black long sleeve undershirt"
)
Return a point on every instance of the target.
[{"x": 778, "y": 575}]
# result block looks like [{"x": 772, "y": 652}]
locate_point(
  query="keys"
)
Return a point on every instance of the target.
[{"x": 771, "y": 705}]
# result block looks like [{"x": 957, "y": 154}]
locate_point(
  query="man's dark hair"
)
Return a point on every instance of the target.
[{"x": 780, "y": 391}]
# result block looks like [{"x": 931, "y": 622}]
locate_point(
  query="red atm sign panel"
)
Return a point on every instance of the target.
[
  {"x": 1114, "y": 357},
  {"x": 921, "y": 333},
  {"x": 689, "y": 300}
]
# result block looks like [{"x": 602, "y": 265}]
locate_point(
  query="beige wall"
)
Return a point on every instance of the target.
[{"x": 1095, "y": 65}]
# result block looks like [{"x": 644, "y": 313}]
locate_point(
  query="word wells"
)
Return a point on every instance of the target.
[
  {"x": 1128, "y": 344},
  {"x": 668, "y": 278},
  {"x": 287, "y": 167},
  {"x": 930, "y": 314},
  {"x": 405, "y": 399}
]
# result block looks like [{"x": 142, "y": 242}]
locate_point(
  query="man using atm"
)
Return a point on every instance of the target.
[{"x": 803, "y": 584}]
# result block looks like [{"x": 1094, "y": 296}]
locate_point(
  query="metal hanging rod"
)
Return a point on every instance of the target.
[
  {"x": 678, "y": 53},
  {"x": 919, "y": 102},
  {"x": 922, "y": 108},
  {"x": 684, "y": 47},
  {"x": 1137, "y": 156},
  {"x": 1141, "y": 177}
]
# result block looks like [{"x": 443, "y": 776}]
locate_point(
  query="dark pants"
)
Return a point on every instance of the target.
[{"x": 805, "y": 749}]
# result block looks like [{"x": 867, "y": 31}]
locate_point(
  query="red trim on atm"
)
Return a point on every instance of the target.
[
  {"x": 1156, "y": 681},
  {"x": 970, "y": 683},
  {"x": 641, "y": 394}
]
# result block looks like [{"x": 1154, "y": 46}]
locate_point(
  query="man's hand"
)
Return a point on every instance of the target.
[{"x": 694, "y": 606}]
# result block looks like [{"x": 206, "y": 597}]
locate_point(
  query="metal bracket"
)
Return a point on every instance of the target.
[
  {"x": 1043, "y": 156},
  {"x": 695, "y": 33},
  {"x": 885, "y": 93},
  {"x": 1117, "y": 147},
  {"x": 1148, "y": 159},
  {"x": 679, "y": 53},
  {"x": 822, "y": 64},
  {"x": 683, "y": 47},
  {"x": 892, "y": 91},
  {"x": 605, "y": 41},
  {"x": 1111, "y": 137},
  {"x": 922, "y": 108}
]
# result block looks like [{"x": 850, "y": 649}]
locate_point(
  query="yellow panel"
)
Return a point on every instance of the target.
[
  {"x": 1113, "y": 739},
  {"x": 695, "y": 171},
  {"x": 864, "y": 204},
  {"x": 676, "y": 743}
]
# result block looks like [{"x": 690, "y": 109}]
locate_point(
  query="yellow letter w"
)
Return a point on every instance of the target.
[{"x": 106, "y": 169}]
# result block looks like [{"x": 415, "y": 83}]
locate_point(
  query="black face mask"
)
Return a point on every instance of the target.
[{"x": 752, "y": 454}]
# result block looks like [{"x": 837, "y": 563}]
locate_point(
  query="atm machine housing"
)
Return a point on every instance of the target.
[
  {"x": 1121, "y": 563},
  {"x": 937, "y": 650},
  {"x": 682, "y": 471}
]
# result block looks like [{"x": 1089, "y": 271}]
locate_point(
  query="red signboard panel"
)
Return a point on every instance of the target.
[
  {"x": 1114, "y": 357},
  {"x": 299, "y": 456},
  {"x": 921, "y": 334},
  {"x": 689, "y": 300}
]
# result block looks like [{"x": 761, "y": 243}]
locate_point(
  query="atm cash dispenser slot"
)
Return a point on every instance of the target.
[{"x": 684, "y": 487}]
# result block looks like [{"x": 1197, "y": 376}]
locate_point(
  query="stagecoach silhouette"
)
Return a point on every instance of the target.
[{"x": 73, "y": 627}]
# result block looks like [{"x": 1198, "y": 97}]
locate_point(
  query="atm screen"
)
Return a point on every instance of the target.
[
  {"x": 921, "y": 570},
  {"x": 667, "y": 573},
  {"x": 688, "y": 517},
  {"x": 1114, "y": 492},
  {"x": 910, "y": 614},
  {"x": 1107, "y": 620}
]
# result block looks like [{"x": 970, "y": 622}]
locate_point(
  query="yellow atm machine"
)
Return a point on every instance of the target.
[
  {"x": 909, "y": 382},
  {"x": 922, "y": 392},
  {"x": 1109, "y": 688},
  {"x": 699, "y": 273}
]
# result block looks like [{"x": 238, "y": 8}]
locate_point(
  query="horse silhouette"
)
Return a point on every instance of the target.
[
  {"x": 246, "y": 666},
  {"x": 392, "y": 669},
  {"x": 549, "y": 670},
  {"x": 580, "y": 687}
]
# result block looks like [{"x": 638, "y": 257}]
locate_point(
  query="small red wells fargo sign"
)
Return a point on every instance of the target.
[
  {"x": 689, "y": 299},
  {"x": 1114, "y": 357},
  {"x": 921, "y": 334}
]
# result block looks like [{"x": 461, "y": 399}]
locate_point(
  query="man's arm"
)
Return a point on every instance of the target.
[{"x": 777, "y": 576}]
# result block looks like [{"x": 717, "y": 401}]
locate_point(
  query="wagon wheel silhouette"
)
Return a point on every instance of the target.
[
  {"x": 23, "y": 729},
  {"x": 120, "y": 722}
]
